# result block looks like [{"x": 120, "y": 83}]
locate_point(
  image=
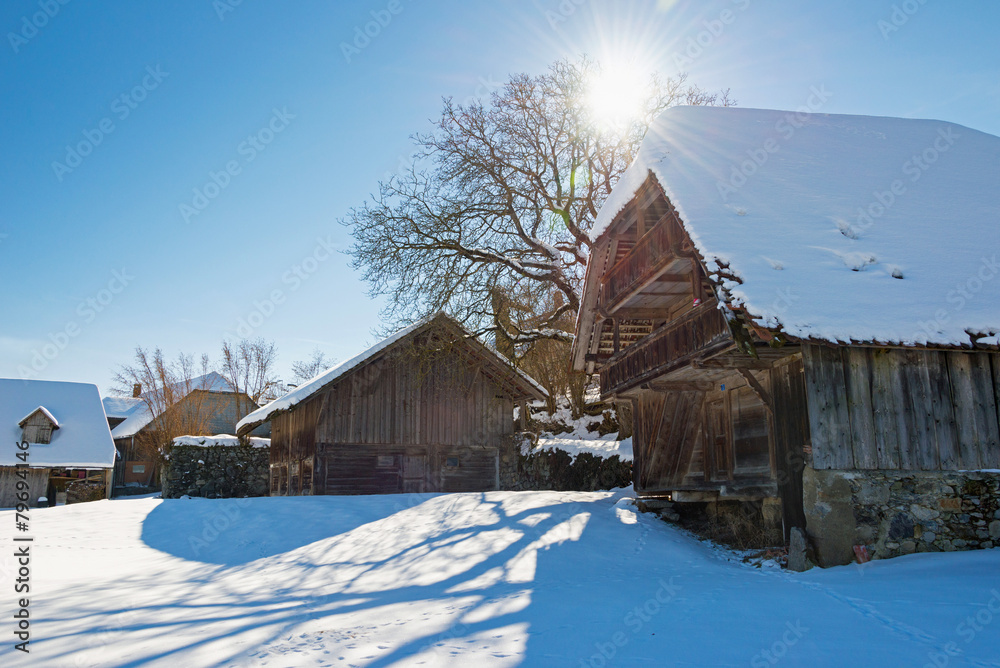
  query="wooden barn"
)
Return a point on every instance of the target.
[
  {"x": 69, "y": 446},
  {"x": 803, "y": 310},
  {"x": 425, "y": 410}
]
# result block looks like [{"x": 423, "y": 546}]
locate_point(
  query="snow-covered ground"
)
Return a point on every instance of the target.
[{"x": 497, "y": 579}]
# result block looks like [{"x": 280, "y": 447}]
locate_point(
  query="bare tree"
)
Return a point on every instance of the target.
[
  {"x": 306, "y": 369},
  {"x": 164, "y": 384},
  {"x": 501, "y": 198},
  {"x": 248, "y": 366}
]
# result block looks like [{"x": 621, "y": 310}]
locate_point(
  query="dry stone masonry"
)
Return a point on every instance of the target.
[
  {"x": 216, "y": 467},
  {"x": 894, "y": 513}
]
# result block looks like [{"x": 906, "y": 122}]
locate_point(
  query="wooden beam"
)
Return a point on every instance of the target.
[
  {"x": 732, "y": 363},
  {"x": 758, "y": 390},
  {"x": 643, "y": 313},
  {"x": 681, "y": 386},
  {"x": 672, "y": 278}
]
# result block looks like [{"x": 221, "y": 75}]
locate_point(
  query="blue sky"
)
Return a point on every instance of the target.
[{"x": 98, "y": 255}]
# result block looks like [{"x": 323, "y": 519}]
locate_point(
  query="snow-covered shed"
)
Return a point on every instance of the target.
[
  {"x": 425, "y": 410},
  {"x": 55, "y": 433},
  {"x": 802, "y": 310}
]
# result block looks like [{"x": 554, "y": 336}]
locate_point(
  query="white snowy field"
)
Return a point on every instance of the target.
[{"x": 496, "y": 579}]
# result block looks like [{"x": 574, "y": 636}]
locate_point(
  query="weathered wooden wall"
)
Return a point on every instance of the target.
[
  {"x": 903, "y": 409},
  {"x": 699, "y": 440},
  {"x": 37, "y": 429},
  {"x": 413, "y": 411},
  {"x": 706, "y": 440},
  {"x": 410, "y": 401},
  {"x": 38, "y": 483}
]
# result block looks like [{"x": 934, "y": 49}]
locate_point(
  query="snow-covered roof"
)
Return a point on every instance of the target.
[
  {"x": 137, "y": 414},
  {"x": 307, "y": 389},
  {"x": 839, "y": 228},
  {"x": 121, "y": 407},
  {"x": 223, "y": 440},
  {"x": 44, "y": 411},
  {"x": 82, "y": 440}
]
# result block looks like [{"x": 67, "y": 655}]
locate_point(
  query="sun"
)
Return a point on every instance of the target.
[{"x": 616, "y": 95}]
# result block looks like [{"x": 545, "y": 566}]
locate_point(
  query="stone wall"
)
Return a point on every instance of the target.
[
  {"x": 557, "y": 470},
  {"x": 216, "y": 471},
  {"x": 899, "y": 512}
]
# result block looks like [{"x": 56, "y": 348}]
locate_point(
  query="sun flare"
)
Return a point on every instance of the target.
[{"x": 616, "y": 95}]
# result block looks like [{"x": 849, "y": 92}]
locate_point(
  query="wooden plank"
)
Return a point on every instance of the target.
[
  {"x": 920, "y": 449},
  {"x": 963, "y": 399},
  {"x": 829, "y": 421},
  {"x": 859, "y": 407},
  {"x": 886, "y": 407},
  {"x": 990, "y": 455},
  {"x": 943, "y": 411}
]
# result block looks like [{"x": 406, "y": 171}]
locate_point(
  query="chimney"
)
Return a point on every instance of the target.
[{"x": 136, "y": 390}]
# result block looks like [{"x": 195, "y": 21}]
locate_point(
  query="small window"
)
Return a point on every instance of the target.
[
  {"x": 138, "y": 468},
  {"x": 385, "y": 461},
  {"x": 451, "y": 462}
]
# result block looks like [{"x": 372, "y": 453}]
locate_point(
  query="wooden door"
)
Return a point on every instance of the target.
[
  {"x": 718, "y": 441},
  {"x": 414, "y": 473}
]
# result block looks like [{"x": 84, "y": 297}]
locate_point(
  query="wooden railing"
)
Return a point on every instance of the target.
[
  {"x": 650, "y": 254},
  {"x": 671, "y": 346}
]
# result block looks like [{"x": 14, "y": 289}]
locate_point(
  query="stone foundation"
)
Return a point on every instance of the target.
[
  {"x": 899, "y": 512},
  {"x": 216, "y": 471}
]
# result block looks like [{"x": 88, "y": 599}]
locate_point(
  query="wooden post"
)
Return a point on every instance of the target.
[{"x": 617, "y": 335}]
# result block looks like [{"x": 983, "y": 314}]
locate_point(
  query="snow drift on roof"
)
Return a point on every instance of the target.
[
  {"x": 839, "y": 228},
  {"x": 307, "y": 389},
  {"x": 83, "y": 439}
]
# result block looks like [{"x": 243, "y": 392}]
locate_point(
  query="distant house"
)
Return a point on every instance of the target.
[
  {"x": 67, "y": 436},
  {"x": 209, "y": 406},
  {"x": 425, "y": 410},
  {"x": 804, "y": 309}
]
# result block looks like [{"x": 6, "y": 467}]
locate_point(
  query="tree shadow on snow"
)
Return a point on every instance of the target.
[{"x": 462, "y": 556}]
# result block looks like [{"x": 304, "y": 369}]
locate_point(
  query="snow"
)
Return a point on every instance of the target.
[
  {"x": 602, "y": 446},
  {"x": 44, "y": 411},
  {"x": 137, "y": 414},
  {"x": 496, "y": 579},
  {"x": 819, "y": 215},
  {"x": 224, "y": 440},
  {"x": 83, "y": 439},
  {"x": 581, "y": 439},
  {"x": 307, "y": 389}
]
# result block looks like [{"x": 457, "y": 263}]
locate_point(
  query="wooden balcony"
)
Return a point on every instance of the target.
[
  {"x": 672, "y": 346},
  {"x": 643, "y": 263}
]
